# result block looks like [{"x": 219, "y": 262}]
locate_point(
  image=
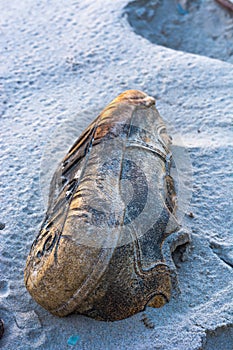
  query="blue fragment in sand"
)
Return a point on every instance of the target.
[
  {"x": 73, "y": 340},
  {"x": 181, "y": 10}
]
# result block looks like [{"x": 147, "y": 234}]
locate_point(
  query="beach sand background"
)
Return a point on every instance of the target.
[{"x": 61, "y": 63}]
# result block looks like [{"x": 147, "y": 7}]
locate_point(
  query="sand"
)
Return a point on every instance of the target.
[{"x": 61, "y": 63}]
